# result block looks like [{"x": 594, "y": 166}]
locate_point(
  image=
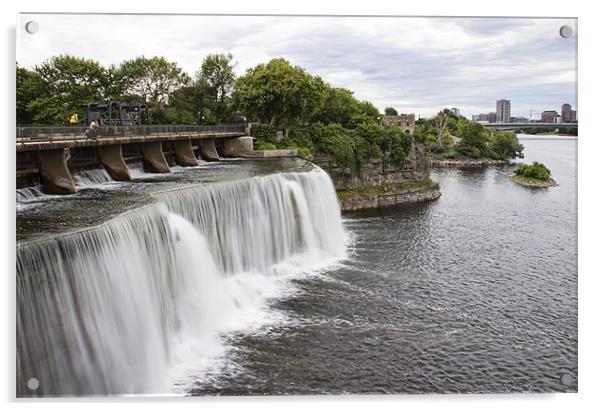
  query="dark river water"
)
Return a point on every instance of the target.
[{"x": 474, "y": 293}]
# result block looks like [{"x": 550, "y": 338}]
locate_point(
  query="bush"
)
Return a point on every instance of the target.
[
  {"x": 535, "y": 171},
  {"x": 264, "y": 145},
  {"x": 505, "y": 145},
  {"x": 263, "y": 133},
  {"x": 305, "y": 153}
]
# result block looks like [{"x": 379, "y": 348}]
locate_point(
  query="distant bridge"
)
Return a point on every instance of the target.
[
  {"x": 51, "y": 152},
  {"x": 522, "y": 126}
]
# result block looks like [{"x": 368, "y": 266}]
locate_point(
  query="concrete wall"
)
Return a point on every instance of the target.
[
  {"x": 184, "y": 155},
  {"x": 153, "y": 158},
  {"x": 234, "y": 147},
  {"x": 112, "y": 159},
  {"x": 54, "y": 173},
  {"x": 53, "y": 163},
  {"x": 207, "y": 150}
]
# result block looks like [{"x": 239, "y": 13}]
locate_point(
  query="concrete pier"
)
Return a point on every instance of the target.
[
  {"x": 153, "y": 158},
  {"x": 41, "y": 150},
  {"x": 54, "y": 173},
  {"x": 208, "y": 150},
  {"x": 184, "y": 154},
  {"x": 111, "y": 158}
]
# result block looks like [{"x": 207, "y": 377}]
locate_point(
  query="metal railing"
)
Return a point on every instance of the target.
[{"x": 52, "y": 133}]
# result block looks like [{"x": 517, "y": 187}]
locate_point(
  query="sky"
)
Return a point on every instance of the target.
[{"x": 417, "y": 65}]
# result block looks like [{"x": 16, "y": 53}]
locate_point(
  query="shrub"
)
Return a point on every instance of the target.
[
  {"x": 305, "y": 153},
  {"x": 264, "y": 145},
  {"x": 505, "y": 145},
  {"x": 263, "y": 133},
  {"x": 535, "y": 171}
]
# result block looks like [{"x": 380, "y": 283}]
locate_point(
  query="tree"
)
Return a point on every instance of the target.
[
  {"x": 152, "y": 80},
  {"x": 390, "y": 111},
  {"x": 537, "y": 171},
  {"x": 504, "y": 144},
  {"x": 473, "y": 139},
  {"x": 185, "y": 106},
  {"x": 278, "y": 93},
  {"x": 214, "y": 83},
  {"x": 441, "y": 123},
  {"x": 66, "y": 84},
  {"x": 29, "y": 88}
]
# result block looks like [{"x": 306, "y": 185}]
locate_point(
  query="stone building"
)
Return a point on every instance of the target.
[
  {"x": 550, "y": 116},
  {"x": 407, "y": 122}
]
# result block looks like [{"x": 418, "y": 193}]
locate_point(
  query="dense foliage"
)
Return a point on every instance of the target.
[
  {"x": 450, "y": 136},
  {"x": 314, "y": 117},
  {"x": 536, "y": 171},
  {"x": 52, "y": 91}
]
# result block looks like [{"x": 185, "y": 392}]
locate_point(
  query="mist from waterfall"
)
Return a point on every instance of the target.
[{"x": 134, "y": 304}]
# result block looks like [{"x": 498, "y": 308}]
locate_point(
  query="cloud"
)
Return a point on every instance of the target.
[{"x": 414, "y": 64}]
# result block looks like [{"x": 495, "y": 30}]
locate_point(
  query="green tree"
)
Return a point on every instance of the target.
[
  {"x": 185, "y": 106},
  {"x": 338, "y": 105},
  {"x": 537, "y": 171},
  {"x": 504, "y": 144},
  {"x": 30, "y": 87},
  {"x": 442, "y": 119},
  {"x": 390, "y": 111},
  {"x": 68, "y": 83},
  {"x": 474, "y": 138},
  {"x": 215, "y": 82},
  {"x": 152, "y": 80},
  {"x": 278, "y": 93}
]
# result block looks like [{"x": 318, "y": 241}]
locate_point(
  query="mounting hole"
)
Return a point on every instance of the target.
[
  {"x": 32, "y": 27},
  {"x": 566, "y": 379},
  {"x": 566, "y": 31},
  {"x": 33, "y": 384}
]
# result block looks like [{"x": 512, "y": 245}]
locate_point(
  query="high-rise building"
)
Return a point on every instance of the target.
[
  {"x": 568, "y": 115},
  {"x": 455, "y": 110},
  {"x": 565, "y": 112},
  {"x": 502, "y": 111}
]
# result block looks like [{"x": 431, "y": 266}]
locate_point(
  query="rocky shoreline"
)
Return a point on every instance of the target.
[
  {"x": 370, "y": 200},
  {"x": 464, "y": 162},
  {"x": 531, "y": 183}
]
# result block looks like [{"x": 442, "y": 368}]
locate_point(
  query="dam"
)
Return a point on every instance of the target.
[{"x": 50, "y": 154}]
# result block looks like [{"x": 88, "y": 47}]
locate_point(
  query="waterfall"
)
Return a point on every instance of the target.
[
  {"x": 114, "y": 309},
  {"x": 91, "y": 178}
]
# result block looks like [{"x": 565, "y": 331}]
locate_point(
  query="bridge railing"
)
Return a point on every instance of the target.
[{"x": 52, "y": 133}]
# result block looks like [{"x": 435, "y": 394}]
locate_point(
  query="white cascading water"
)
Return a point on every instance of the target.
[
  {"x": 91, "y": 178},
  {"x": 132, "y": 305}
]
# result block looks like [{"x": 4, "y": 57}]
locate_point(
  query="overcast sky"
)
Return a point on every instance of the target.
[{"x": 416, "y": 65}]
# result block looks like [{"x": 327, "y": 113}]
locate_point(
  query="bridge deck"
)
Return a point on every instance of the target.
[{"x": 47, "y": 138}]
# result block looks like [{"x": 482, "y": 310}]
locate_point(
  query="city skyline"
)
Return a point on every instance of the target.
[
  {"x": 503, "y": 114},
  {"x": 417, "y": 65}
]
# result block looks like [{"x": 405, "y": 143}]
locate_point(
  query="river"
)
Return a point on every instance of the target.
[{"x": 474, "y": 292}]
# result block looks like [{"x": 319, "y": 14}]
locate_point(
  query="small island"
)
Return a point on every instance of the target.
[{"x": 534, "y": 175}]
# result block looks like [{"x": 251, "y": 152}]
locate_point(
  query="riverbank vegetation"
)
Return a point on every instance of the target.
[
  {"x": 448, "y": 135},
  {"x": 288, "y": 107},
  {"x": 533, "y": 175}
]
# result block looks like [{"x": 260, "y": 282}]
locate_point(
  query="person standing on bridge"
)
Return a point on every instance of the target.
[{"x": 91, "y": 131}]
